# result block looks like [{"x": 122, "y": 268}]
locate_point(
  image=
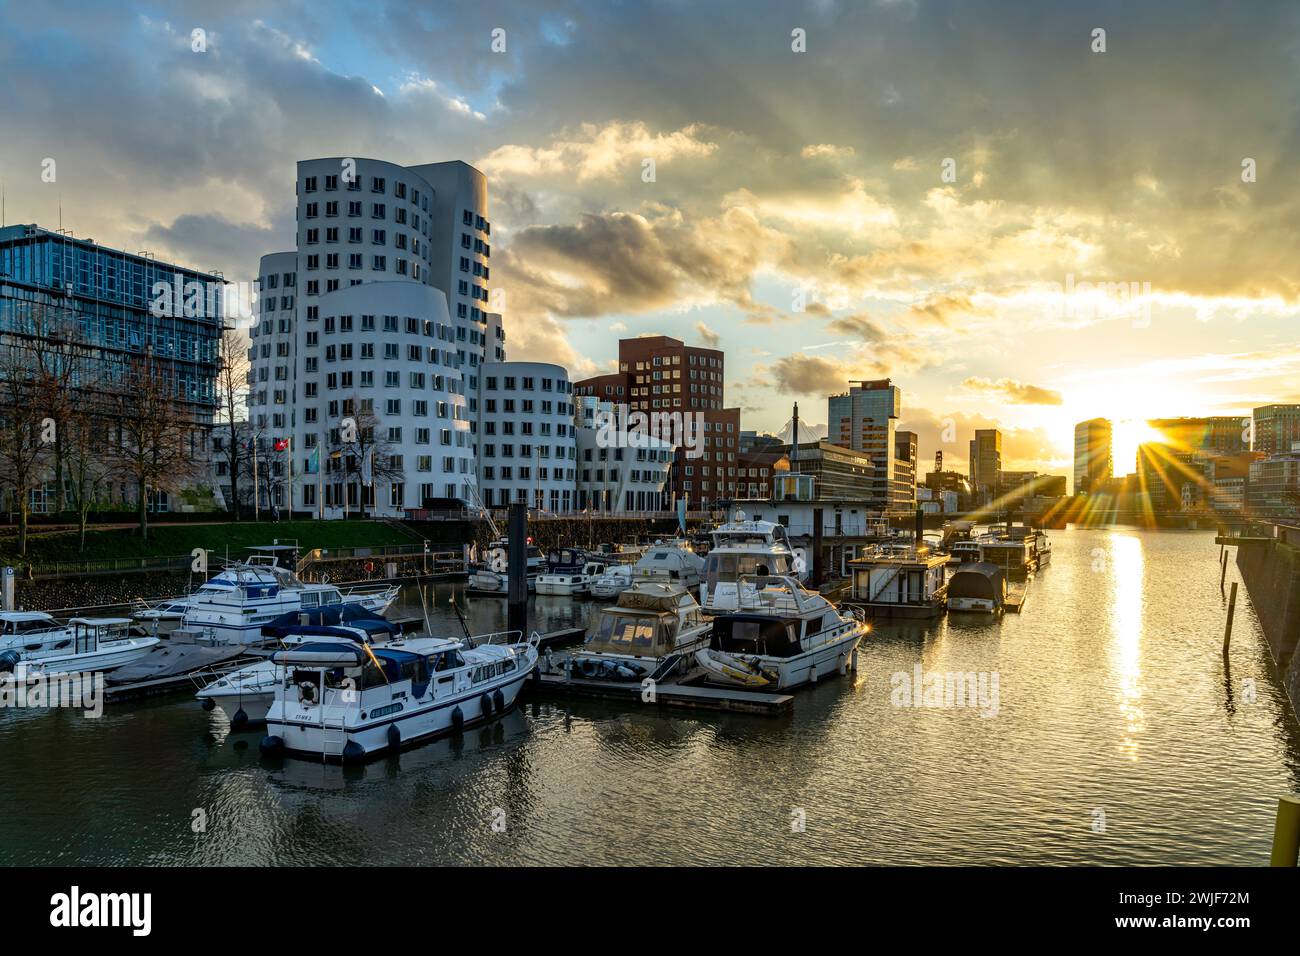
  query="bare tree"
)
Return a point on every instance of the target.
[
  {"x": 152, "y": 446},
  {"x": 87, "y": 464},
  {"x": 25, "y": 436},
  {"x": 367, "y": 451},
  {"x": 232, "y": 393}
]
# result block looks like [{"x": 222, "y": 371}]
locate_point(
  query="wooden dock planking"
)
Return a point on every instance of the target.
[{"x": 686, "y": 696}]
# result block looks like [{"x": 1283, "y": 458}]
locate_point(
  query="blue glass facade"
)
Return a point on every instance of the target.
[{"x": 111, "y": 295}]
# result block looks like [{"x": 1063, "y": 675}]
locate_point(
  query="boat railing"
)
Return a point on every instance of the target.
[
  {"x": 771, "y": 592},
  {"x": 503, "y": 638}
]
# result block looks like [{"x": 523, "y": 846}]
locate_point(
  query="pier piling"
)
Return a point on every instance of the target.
[
  {"x": 1223, "y": 567},
  {"x": 517, "y": 569},
  {"x": 1286, "y": 832},
  {"x": 1232, "y": 607}
]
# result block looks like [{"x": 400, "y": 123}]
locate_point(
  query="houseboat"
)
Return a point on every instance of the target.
[
  {"x": 977, "y": 587},
  {"x": 908, "y": 583},
  {"x": 779, "y": 636}
]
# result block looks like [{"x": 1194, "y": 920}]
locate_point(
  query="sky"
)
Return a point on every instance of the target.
[{"x": 1022, "y": 221}]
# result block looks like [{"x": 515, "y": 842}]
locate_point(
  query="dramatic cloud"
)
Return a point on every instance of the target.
[{"x": 1010, "y": 390}]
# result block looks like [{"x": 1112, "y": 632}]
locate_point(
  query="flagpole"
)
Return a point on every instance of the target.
[
  {"x": 257, "y": 492},
  {"x": 288, "y": 450},
  {"x": 320, "y": 473}
]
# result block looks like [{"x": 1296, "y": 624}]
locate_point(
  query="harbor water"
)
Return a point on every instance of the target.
[{"x": 1106, "y": 728}]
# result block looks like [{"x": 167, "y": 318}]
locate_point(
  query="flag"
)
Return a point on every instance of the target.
[
  {"x": 281, "y": 444},
  {"x": 368, "y": 467},
  {"x": 313, "y": 461}
]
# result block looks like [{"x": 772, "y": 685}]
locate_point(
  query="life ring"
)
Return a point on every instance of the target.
[
  {"x": 370, "y": 567},
  {"x": 307, "y": 692}
]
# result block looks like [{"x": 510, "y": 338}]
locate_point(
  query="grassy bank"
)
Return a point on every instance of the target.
[{"x": 47, "y": 547}]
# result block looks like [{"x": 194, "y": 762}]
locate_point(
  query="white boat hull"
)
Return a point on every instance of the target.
[
  {"x": 981, "y": 605},
  {"x": 251, "y": 690},
  {"x": 309, "y": 731},
  {"x": 104, "y": 659},
  {"x": 833, "y": 657}
]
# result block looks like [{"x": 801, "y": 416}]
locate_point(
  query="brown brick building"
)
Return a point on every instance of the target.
[{"x": 661, "y": 374}]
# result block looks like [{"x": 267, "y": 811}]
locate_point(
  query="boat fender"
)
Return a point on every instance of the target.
[
  {"x": 209, "y": 704},
  {"x": 394, "y": 737},
  {"x": 588, "y": 667},
  {"x": 8, "y": 661},
  {"x": 843, "y": 665},
  {"x": 272, "y": 745},
  {"x": 239, "y": 720},
  {"x": 812, "y": 673},
  {"x": 486, "y": 703},
  {"x": 353, "y": 752},
  {"x": 457, "y": 719},
  {"x": 499, "y": 701}
]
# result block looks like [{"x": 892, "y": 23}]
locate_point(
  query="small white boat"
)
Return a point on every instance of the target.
[
  {"x": 616, "y": 579},
  {"x": 32, "y": 644},
  {"x": 349, "y": 702},
  {"x": 571, "y": 583},
  {"x": 671, "y": 561},
  {"x": 491, "y": 578},
  {"x": 162, "y": 617},
  {"x": 780, "y": 636}
]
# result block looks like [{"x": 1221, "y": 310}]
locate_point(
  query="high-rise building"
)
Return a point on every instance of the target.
[
  {"x": 372, "y": 334},
  {"x": 865, "y": 418},
  {"x": 661, "y": 376},
  {"x": 117, "y": 307},
  {"x": 985, "y": 464},
  {"x": 905, "y": 451},
  {"x": 526, "y": 447},
  {"x": 1092, "y": 455},
  {"x": 1223, "y": 435},
  {"x": 1277, "y": 428}
]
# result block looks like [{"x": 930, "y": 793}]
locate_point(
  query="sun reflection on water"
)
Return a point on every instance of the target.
[{"x": 1126, "y": 573}]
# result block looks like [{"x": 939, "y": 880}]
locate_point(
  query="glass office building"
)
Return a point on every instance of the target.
[{"x": 118, "y": 304}]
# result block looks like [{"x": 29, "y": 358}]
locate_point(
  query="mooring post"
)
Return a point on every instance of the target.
[
  {"x": 1286, "y": 832},
  {"x": 816, "y": 581},
  {"x": 1223, "y": 569},
  {"x": 517, "y": 570},
  {"x": 1232, "y": 606}
]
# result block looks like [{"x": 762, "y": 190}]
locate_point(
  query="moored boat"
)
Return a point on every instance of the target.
[
  {"x": 350, "y": 702},
  {"x": 780, "y": 636},
  {"x": 33, "y": 643},
  {"x": 653, "y": 629}
]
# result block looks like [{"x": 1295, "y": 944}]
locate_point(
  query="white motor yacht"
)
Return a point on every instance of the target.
[
  {"x": 780, "y": 636},
  {"x": 348, "y": 702},
  {"x": 743, "y": 548},
  {"x": 490, "y": 577},
  {"x": 616, "y": 579},
  {"x": 35, "y": 644},
  {"x": 235, "y": 613}
]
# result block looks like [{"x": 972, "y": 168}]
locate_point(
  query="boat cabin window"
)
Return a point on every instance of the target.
[
  {"x": 727, "y": 568},
  {"x": 447, "y": 660},
  {"x": 771, "y": 637},
  {"x": 310, "y": 599},
  {"x": 331, "y": 597},
  {"x": 626, "y": 633}
]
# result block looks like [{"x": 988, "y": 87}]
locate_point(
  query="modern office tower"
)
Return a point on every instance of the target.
[
  {"x": 1177, "y": 472},
  {"x": 1222, "y": 435},
  {"x": 123, "y": 307},
  {"x": 1277, "y": 428},
  {"x": 905, "y": 450},
  {"x": 526, "y": 449},
  {"x": 865, "y": 418},
  {"x": 985, "y": 464},
  {"x": 661, "y": 376},
  {"x": 374, "y": 338},
  {"x": 1093, "y": 465}
]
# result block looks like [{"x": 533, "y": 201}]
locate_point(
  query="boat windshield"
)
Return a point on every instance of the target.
[
  {"x": 726, "y": 568},
  {"x": 619, "y": 633}
]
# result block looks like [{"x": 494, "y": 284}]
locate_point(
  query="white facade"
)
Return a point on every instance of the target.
[
  {"x": 626, "y": 475},
  {"x": 385, "y": 328},
  {"x": 526, "y": 435}
]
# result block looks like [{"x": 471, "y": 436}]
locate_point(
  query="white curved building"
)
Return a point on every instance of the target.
[
  {"x": 381, "y": 340},
  {"x": 526, "y": 448}
]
